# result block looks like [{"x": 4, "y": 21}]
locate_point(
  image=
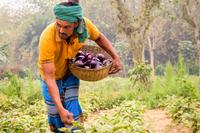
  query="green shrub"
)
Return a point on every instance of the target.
[
  {"x": 141, "y": 73},
  {"x": 14, "y": 86}
]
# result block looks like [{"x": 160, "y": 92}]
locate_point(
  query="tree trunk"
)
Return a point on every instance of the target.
[
  {"x": 197, "y": 37},
  {"x": 138, "y": 56},
  {"x": 151, "y": 53},
  {"x": 137, "y": 46}
]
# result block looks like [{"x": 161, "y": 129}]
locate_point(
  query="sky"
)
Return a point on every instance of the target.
[
  {"x": 16, "y": 6},
  {"x": 11, "y": 3}
]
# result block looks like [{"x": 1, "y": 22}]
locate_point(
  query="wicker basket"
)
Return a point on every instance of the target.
[{"x": 91, "y": 74}]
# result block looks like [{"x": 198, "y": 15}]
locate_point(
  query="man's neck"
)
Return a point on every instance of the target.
[{"x": 68, "y": 39}]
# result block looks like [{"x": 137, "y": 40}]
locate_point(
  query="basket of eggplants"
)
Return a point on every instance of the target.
[{"x": 91, "y": 63}]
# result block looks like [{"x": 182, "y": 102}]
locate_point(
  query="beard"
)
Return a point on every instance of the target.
[{"x": 63, "y": 36}]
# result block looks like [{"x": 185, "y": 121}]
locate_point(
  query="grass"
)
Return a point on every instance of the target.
[{"x": 24, "y": 111}]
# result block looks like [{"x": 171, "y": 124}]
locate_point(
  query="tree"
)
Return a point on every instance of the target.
[
  {"x": 135, "y": 27},
  {"x": 190, "y": 13}
]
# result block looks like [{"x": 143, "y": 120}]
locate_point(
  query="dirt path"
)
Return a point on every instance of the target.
[
  {"x": 159, "y": 122},
  {"x": 156, "y": 120}
]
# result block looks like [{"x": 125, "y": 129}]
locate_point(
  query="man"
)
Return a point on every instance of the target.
[{"x": 59, "y": 42}]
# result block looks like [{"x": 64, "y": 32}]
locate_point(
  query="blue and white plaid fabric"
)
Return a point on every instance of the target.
[{"x": 69, "y": 92}]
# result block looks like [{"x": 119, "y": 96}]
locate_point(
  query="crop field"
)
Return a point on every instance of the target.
[{"x": 110, "y": 105}]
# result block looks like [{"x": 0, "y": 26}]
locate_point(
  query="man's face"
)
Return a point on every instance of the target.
[{"x": 65, "y": 29}]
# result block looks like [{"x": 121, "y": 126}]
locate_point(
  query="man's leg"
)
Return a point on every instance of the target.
[
  {"x": 54, "y": 119},
  {"x": 71, "y": 102}
]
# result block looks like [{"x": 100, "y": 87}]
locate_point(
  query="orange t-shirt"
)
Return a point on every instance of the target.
[{"x": 53, "y": 49}]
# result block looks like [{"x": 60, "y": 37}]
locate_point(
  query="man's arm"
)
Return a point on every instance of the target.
[
  {"x": 49, "y": 77},
  {"x": 104, "y": 43}
]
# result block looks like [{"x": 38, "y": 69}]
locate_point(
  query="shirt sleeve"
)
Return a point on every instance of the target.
[
  {"x": 93, "y": 31},
  {"x": 46, "y": 51}
]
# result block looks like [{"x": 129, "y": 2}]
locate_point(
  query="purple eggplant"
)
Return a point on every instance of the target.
[
  {"x": 80, "y": 53},
  {"x": 87, "y": 63},
  {"x": 80, "y": 57},
  {"x": 93, "y": 64},
  {"x": 96, "y": 59},
  {"x": 79, "y": 63},
  {"x": 99, "y": 65},
  {"x": 107, "y": 62},
  {"x": 89, "y": 56},
  {"x": 101, "y": 57}
]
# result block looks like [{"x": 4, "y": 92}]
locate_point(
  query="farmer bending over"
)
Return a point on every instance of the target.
[{"x": 59, "y": 42}]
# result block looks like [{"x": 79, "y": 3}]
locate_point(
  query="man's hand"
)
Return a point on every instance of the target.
[
  {"x": 116, "y": 66},
  {"x": 66, "y": 117}
]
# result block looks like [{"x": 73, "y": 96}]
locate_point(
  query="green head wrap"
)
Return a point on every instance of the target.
[{"x": 72, "y": 14}]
